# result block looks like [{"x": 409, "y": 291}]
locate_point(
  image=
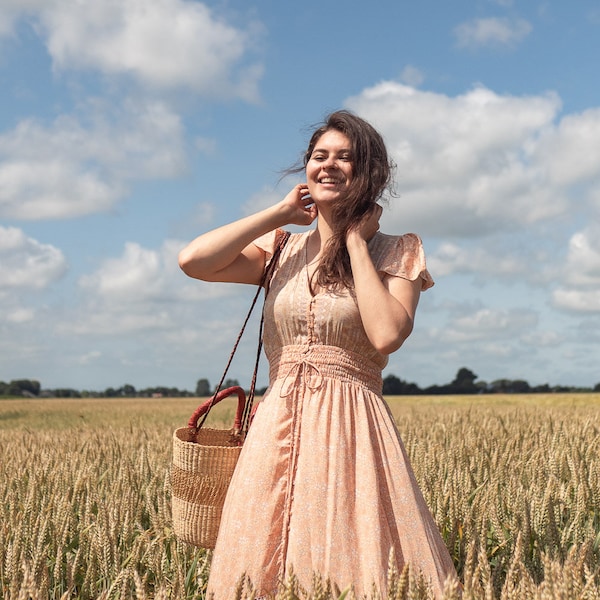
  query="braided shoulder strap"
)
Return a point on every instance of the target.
[{"x": 264, "y": 283}]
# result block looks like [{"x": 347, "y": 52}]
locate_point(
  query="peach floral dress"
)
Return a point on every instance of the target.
[{"x": 323, "y": 483}]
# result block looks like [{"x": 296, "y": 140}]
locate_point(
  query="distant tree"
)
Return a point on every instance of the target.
[
  {"x": 482, "y": 387},
  {"x": 203, "y": 388},
  {"x": 509, "y": 386},
  {"x": 65, "y": 393},
  {"x": 24, "y": 387},
  {"x": 597, "y": 387},
  {"x": 464, "y": 382},
  {"x": 544, "y": 388},
  {"x": 519, "y": 386},
  {"x": 394, "y": 386},
  {"x": 128, "y": 391},
  {"x": 499, "y": 386},
  {"x": 230, "y": 383}
]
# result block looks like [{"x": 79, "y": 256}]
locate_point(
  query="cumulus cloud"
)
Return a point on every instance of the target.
[
  {"x": 267, "y": 196},
  {"x": 27, "y": 264},
  {"x": 450, "y": 258},
  {"x": 580, "y": 282},
  {"x": 492, "y": 31},
  {"x": 570, "y": 151},
  {"x": 84, "y": 163},
  {"x": 583, "y": 260},
  {"x": 142, "y": 289},
  {"x": 163, "y": 44},
  {"x": 138, "y": 275},
  {"x": 73, "y": 167},
  {"x": 481, "y": 162},
  {"x": 585, "y": 301},
  {"x": 412, "y": 76},
  {"x": 543, "y": 339},
  {"x": 490, "y": 323}
]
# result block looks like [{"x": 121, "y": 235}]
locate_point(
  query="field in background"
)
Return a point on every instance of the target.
[{"x": 513, "y": 483}]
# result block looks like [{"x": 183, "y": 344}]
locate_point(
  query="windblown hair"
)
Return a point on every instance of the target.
[{"x": 371, "y": 176}]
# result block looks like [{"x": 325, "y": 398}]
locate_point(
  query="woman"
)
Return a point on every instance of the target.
[{"x": 323, "y": 484}]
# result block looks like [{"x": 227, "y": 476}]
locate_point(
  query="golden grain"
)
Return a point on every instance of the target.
[{"x": 513, "y": 483}]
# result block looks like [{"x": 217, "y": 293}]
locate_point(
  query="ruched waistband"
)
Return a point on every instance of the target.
[{"x": 318, "y": 362}]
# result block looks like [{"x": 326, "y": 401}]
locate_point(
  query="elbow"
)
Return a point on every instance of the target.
[
  {"x": 188, "y": 265},
  {"x": 389, "y": 341},
  {"x": 184, "y": 261}
]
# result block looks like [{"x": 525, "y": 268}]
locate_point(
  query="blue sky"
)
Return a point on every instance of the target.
[{"x": 128, "y": 127}]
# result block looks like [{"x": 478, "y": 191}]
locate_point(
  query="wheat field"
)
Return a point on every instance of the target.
[{"x": 512, "y": 481}]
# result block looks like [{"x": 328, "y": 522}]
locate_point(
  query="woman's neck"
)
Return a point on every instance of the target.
[{"x": 324, "y": 230}]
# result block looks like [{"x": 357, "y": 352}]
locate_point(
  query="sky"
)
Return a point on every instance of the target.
[{"x": 129, "y": 127}]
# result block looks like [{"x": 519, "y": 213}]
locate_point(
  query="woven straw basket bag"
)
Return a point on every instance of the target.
[{"x": 203, "y": 463}]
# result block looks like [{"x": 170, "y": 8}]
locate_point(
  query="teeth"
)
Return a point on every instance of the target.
[{"x": 328, "y": 180}]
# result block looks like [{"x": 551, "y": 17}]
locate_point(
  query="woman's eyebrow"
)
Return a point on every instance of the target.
[{"x": 338, "y": 151}]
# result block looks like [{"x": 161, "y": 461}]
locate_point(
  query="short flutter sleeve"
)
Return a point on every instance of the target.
[
  {"x": 401, "y": 256},
  {"x": 268, "y": 242}
]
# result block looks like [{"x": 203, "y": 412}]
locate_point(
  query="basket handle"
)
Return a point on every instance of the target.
[{"x": 221, "y": 395}]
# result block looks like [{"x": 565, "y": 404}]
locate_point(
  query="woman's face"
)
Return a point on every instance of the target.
[{"x": 329, "y": 168}]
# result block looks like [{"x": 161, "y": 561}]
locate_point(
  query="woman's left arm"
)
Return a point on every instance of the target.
[{"x": 387, "y": 307}]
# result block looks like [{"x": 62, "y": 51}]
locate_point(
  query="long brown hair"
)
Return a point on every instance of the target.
[{"x": 371, "y": 176}]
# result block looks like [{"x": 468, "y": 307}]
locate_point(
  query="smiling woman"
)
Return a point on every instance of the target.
[{"x": 323, "y": 483}]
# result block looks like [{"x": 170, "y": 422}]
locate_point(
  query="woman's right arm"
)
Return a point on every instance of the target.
[{"x": 228, "y": 254}]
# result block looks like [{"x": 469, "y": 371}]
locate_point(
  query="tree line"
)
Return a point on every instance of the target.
[{"x": 465, "y": 382}]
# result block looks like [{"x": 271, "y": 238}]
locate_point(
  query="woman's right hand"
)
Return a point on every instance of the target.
[
  {"x": 228, "y": 253},
  {"x": 299, "y": 206}
]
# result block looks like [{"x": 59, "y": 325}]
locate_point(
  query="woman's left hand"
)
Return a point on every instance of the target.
[{"x": 367, "y": 227}]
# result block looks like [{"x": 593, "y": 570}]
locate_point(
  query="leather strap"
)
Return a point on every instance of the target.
[{"x": 264, "y": 282}]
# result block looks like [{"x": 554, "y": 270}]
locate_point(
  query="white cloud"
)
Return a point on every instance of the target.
[
  {"x": 580, "y": 282},
  {"x": 140, "y": 275},
  {"x": 492, "y": 31},
  {"x": 489, "y": 323},
  {"x": 412, "y": 76},
  {"x": 143, "y": 289},
  {"x": 543, "y": 339},
  {"x": 27, "y": 264},
  {"x": 586, "y": 301},
  {"x": 470, "y": 164},
  {"x": 33, "y": 190},
  {"x": 74, "y": 167},
  {"x": 570, "y": 152},
  {"x": 450, "y": 258},
  {"x": 266, "y": 197},
  {"x": 583, "y": 261},
  {"x": 163, "y": 44},
  {"x": 20, "y": 315},
  {"x": 6, "y": 24},
  {"x": 136, "y": 275},
  {"x": 11, "y": 10}
]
